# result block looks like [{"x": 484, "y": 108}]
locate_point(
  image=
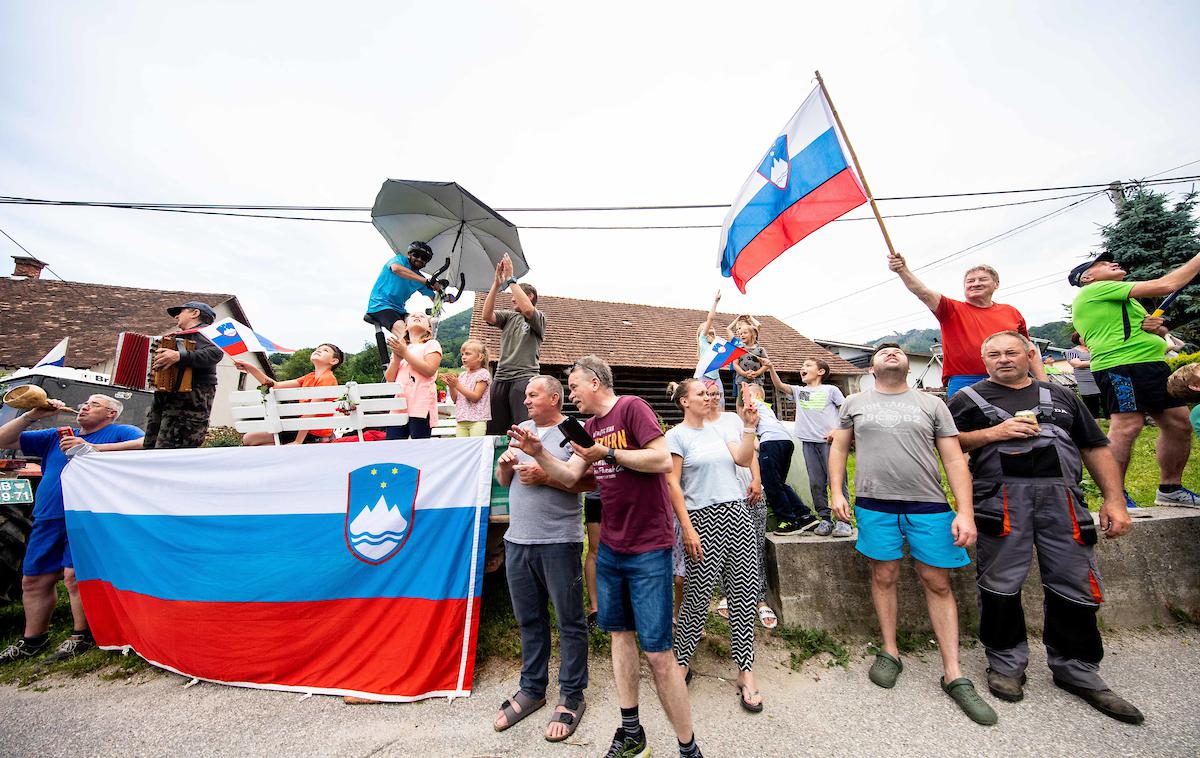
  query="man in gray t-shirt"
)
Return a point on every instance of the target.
[
  {"x": 1080, "y": 359},
  {"x": 544, "y": 555},
  {"x": 899, "y": 433},
  {"x": 522, "y": 332}
]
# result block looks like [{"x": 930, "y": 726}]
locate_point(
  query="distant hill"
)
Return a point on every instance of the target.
[
  {"x": 452, "y": 332},
  {"x": 921, "y": 340}
]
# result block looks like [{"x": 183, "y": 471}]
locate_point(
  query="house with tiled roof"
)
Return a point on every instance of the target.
[
  {"x": 38, "y": 312},
  {"x": 649, "y": 346}
]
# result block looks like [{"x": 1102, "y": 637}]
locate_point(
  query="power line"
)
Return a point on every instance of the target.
[
  {"x": 45, "y": 265},
  {"x": 548, "y": 209},
  {"x": 946, "y": 258}
]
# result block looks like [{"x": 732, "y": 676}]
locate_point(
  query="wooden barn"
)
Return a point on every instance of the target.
[{"x": 649, "y": 346}]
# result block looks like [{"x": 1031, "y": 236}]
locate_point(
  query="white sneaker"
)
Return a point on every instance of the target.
[
  {"x": 842, "y": 529},
  {"x": 1182, "y": 497}
]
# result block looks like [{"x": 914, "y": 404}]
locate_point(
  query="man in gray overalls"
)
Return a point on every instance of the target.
[{"x": 1027, "y": 470}]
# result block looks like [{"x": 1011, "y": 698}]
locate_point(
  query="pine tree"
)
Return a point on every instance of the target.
[{"x": 1149, "y": 238}]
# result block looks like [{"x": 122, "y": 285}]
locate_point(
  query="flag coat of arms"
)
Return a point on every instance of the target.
[
  {"x": 803, "y": 182},
  {"x": 336, "y": 569}
]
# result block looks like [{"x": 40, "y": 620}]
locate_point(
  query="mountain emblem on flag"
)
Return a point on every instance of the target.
[
  {"x": 379, "y": 510},
  {"x": 775, "y": 167}
]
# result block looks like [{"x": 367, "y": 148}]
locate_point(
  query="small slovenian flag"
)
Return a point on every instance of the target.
[
  {"x": 56, "y": 357},
  {"x": 802, "y": 183},
  {"x": 236, "y": 338},
  {"x": 719, "y": 355}
]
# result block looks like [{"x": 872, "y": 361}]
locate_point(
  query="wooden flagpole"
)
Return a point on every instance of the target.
[{"x": 862, "y": 177}]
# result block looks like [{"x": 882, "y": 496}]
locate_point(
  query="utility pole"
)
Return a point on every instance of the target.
[{"x": 1116, "y": 193}]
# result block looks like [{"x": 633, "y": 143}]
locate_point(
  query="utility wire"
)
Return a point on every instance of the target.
[
  {"x": 356, "y": 208},
  {"x": 45, "y": 265}
]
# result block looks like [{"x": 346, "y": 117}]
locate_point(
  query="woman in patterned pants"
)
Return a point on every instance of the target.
[{"x": 718, "y": 531}]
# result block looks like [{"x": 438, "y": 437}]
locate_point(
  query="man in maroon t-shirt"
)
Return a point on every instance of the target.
[
  {"x": 966, "y": 323},
  {"x": 633, "y": 568}
]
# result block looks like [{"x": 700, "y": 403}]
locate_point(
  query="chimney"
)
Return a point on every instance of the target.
[{"x": 27, "y": 266}]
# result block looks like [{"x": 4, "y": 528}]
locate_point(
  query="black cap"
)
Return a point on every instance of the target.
[
  {"x": 207, "y": 315},
  {"x": 1077, "y": 272},
  {"x": 421, "y": 248}
]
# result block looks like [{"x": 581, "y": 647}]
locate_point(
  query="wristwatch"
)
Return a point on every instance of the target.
[
  {"x": 511, "y": 281},
  {"x": 611, "y": 456}
]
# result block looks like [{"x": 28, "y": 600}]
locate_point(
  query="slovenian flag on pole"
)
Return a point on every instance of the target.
[
  {"x": 57, "y": 356},
  {"x": 330, "y": 569},
  {"x": 718, "y": 355},
  {"x": 803, "y": 182},
  {"x": 236, "y": 338}
]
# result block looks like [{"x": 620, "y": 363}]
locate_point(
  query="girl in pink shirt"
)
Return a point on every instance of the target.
[
  {"x": 414, "y": 365},
  {"x": 472, "y": 409}
]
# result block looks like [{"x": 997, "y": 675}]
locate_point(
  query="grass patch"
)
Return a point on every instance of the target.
[
  {"x": 808, "y": 643},
  {"x": 716, "y": 636},
  {"x": 111, "y": 665}
]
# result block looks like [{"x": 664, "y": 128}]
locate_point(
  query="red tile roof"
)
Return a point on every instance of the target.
[
  {"x": 632, "y": 334},
  {"x": 37, "y": 313}
]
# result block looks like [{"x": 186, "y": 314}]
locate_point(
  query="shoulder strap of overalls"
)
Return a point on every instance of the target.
[
  {"x": 1045, "y": 403},
  {"x": 994, "y": 414}
]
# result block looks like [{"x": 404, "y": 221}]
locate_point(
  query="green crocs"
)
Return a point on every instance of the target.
[
  {"x": 885, "y": 669},
  {"x": 962, "y": 691}
]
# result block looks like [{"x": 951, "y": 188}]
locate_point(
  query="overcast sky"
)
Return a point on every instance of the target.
[{"x": 560, "y": 104}]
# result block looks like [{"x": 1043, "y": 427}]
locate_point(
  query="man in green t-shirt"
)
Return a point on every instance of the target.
[{"x": 1128, "y": 361}]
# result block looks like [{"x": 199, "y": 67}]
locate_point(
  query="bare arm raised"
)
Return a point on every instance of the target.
[{"x": 931, "y": 299}]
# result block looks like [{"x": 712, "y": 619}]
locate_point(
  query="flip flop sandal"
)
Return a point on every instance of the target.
[
  {"x": 570, "y": 719},
  {"x": 767, "y": 617},
  {"x": 751, "y": 707},
  {"x": 723, "y": 608},
  {"x": 511, "y": 717}
]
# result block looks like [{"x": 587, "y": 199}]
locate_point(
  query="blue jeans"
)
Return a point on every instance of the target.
[
  {"x": 956, "y": 383},
  {"x": 554, "y": 572},
  {"x": 635, "y": 592}
]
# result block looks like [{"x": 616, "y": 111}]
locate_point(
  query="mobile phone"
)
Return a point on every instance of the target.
[{"x": 573, "y": 431}]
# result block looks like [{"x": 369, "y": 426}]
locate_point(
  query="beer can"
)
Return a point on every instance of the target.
[
  {"x": 1031, "y": 415},
  {"x": 64, "y": 432}
]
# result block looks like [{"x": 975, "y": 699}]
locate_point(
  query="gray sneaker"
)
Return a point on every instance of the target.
[
  {"x": 1182, "y": 496},
  {"x": 824, "y": 529},
  {"x": 842, "y": 529}
]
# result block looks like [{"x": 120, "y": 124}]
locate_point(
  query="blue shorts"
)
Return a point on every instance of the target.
[
  {"x": 881, "y": 537},
  {"x": 635, "y": 594},
  {"x": 47, "y": 551}
]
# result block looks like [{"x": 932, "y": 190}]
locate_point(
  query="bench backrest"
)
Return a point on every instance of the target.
[{"x": 346, "y": 406}]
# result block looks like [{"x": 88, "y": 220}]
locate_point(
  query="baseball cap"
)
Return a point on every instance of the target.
[
  {"x": 1078, "y": 271},
  {"x": 206, "y": 313}
]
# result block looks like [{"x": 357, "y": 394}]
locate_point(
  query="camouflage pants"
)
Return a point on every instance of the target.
[{"x": 179, "y": 419}]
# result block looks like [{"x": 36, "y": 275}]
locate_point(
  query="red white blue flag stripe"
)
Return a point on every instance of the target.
[
  {"x": 802, "y": 183},
  {"x": 335, "y": 569}
]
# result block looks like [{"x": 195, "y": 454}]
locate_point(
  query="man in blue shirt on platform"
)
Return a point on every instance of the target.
[
  {"x": 397, "y": 282},
  {"x": 47, "y": 554}
]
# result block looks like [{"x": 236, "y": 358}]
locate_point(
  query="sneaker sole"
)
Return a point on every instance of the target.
[{"x": 1176, "y": 504}]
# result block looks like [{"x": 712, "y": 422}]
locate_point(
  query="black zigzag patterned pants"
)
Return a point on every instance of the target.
[{"x": 727, "y": 539}]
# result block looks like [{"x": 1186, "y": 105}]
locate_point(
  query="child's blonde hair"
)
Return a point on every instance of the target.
[
  {"x": 478, "y": 347},
  {"x": 1178, "y": 383}
]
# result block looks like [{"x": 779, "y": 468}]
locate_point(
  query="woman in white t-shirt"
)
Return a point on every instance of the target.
[{"x": 718, "y": 531}]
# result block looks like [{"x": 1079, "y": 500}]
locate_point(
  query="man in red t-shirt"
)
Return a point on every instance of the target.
[
  {"x": 633, "y": 567},
  {"x": 966, "y": 323}
]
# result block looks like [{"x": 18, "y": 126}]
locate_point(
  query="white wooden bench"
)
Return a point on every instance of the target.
[{"x": 350, "y": 407}]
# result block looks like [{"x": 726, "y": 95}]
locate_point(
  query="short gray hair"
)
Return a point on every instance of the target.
[
  {"x": 987, "y": 270},
  {"x": 596, "y": 366},
  {"x": 551, "y": 385},
  {"x": 113, "y": 404},
  {"x": 1007, "y": 333}
]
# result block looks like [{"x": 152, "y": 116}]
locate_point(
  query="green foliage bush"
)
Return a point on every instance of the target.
[{"x": 1182, "y": 360}]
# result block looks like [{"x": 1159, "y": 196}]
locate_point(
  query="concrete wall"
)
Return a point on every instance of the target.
[{"x": 822, "y": 582}]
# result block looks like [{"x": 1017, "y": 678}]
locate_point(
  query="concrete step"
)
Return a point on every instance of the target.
[{"x": 823, "y": 582}]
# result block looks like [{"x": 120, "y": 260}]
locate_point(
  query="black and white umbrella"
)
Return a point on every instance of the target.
[{"x": 454, "y": 223}]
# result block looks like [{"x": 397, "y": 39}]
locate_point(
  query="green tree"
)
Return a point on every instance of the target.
[
  {"x": 1058, "y": 332},
  {"x": 1150, "y": 237},
  {"x": 295, "y": 365},
  {"x": 451, "y": 334}
]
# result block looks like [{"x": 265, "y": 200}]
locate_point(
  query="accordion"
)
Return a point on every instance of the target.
[{"x": 135, "y": 353}]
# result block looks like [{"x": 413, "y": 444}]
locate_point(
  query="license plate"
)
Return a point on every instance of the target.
[{"x": 15, "y": 491}]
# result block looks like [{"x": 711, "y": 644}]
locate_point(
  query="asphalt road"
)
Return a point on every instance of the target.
[{"x": 818, "y": 711}]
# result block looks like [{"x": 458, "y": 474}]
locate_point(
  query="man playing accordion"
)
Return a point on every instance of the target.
[{"x": 180, "y": 418}]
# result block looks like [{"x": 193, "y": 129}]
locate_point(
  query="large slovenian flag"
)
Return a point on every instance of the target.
[
  {"x": 802, "y": 183},
  {"x": 335, "y": 569},
  {"x": 236, "y": 338}
]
